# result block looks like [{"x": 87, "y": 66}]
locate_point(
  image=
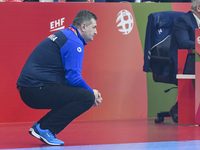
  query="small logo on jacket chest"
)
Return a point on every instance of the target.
[{"x": 79, "y": 49}]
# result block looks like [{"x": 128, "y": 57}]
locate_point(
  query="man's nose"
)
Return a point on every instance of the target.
[{"x": 95, "y": 32}]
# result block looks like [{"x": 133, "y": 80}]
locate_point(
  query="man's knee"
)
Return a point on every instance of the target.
[{"x": 89, "y": 97}]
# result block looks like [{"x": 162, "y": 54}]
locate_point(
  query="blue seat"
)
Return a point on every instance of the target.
[{"x": 157, "y": 45}]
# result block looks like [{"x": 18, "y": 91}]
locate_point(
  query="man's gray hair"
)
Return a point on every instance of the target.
[
  {"x": 83, "y": 16},
  {"x": 194, "y": 4}
]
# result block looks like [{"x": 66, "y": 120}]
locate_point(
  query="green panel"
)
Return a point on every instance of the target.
[
  {"x": 141, "y": 12},
  {"x": 197, "y": 58},
  {"x": 158, "y": 100}
]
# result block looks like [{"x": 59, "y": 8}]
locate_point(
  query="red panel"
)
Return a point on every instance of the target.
[
  {"x": 197, "y": 93},
  {"x": 184, "y": 7},
  {"x": 197, "y": 41},
  {"x": 197, "y": 78},
  {"x": 186, "y": 93},
  {"x": 112, "y": 64}
]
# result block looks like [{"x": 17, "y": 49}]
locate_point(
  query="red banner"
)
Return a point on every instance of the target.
[{"x": 112, "y": 64}]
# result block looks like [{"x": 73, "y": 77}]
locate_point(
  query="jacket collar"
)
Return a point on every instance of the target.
[{"x": 79, "y": 35}]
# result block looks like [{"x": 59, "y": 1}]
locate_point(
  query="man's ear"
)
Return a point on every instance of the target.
[
  {"x": 198, "y": 8},
  {"x": 83, "y": 26}
]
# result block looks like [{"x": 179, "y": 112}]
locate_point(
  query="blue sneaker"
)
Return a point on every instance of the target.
[
  {"x": 47, "y": 136},
  {"x": 33, "y": 131}
]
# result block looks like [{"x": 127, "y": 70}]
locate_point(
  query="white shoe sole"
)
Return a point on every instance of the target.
[{"x": 33, "y": 133}]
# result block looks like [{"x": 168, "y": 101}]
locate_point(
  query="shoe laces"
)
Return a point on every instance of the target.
[{"x": 51, "y": 134}]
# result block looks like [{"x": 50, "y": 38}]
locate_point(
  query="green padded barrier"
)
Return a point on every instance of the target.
[{"x": 158, "y": 100}]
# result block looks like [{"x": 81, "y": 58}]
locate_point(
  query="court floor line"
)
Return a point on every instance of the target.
[{"x": 172, "y": 145}]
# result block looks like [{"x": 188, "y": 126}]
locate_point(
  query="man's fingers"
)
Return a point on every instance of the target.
[{"x": 97, "y": 102}]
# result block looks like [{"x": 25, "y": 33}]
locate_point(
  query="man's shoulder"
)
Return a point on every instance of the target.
[
  {"x": 187, "y": 15},
  {"x": 187, "y": 18},
  {"x": 71, "y": 36}
]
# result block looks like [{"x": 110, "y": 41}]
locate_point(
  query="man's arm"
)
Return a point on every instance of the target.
[{"x": 72, "y": 58}]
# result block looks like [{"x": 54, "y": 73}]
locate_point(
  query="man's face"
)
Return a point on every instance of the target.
[{"x": 90, "y": 31}]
